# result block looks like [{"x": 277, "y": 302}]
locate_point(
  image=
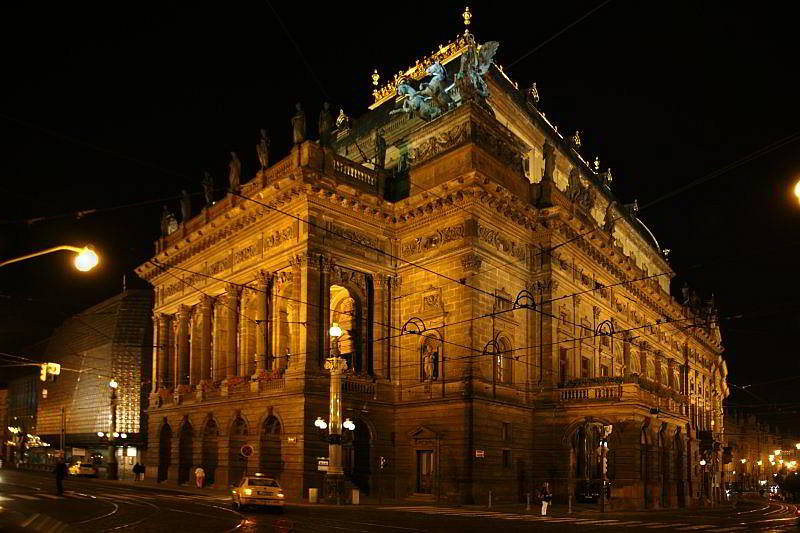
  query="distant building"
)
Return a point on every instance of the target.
[
  {"x": 502, "y": 311},
  {"x": 111, "y": 340},
  {"x": 23, "y": 399}
]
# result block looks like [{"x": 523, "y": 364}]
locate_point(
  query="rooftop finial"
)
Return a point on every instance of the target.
[
  {"x": 375, "y": 77},
  {"x": 467, "y": 19}
]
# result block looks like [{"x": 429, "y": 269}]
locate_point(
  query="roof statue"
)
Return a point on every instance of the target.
[
  {"x": 380, "y": 150},
  {"x": 325, "y": 125},
  {"x": 475, "y": 63},
  {"x": 342, "y": 121},
  {"x": 234, "y": 172},
  {"x": 441, "y": 91},
  {"x": 596, "y": 164},
  {"x": 299, "y": 125},
  {"x": 208, "y": 187},
  {"x": 576, "y": 140},
  {"x": 609, "y": 220},
  {"x": 262, "y": 149},
  {"x": 169, "y": 224},
  {"x": 186, "y": 206},
  {"x": 532, "y": 94},
  {"x": 608, "y": 178}
]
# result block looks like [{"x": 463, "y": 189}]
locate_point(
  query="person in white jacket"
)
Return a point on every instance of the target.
[{"x": 200, "y": 476}]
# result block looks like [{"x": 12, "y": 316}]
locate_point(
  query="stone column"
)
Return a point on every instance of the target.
[
  {"x": 182, "y": 347},
  {"x": 626, "y": 356},
  {"x": 232, "y": 321},
  {"x": 658, "y": 362},
  {"x": 380, "y": 317},
  {"x": 163, "y": 347},
  {"x": 642, "y": 363},
  {"x": 307, "y": 288},
  {"x": 156, "y": 355},
  {"x": 262, "y": 288},
  {"x": 206, "y": 326},
  {"x": 671, "y": 373}
]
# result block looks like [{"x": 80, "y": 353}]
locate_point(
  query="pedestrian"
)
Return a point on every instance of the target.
[
  {"x": 137, "y": 470},
  {"x": 200, "y": 476},
  {"x": 61, "y": 473},
  {"x": 546, "y": 496}
]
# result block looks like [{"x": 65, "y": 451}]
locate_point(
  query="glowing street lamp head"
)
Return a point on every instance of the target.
[
  {"x": 86, "y": 259},
  {"x": 335, "y": 330},
  {"x": 744, "y": 461},
  {"x": 100, "y": 434},
  {"x": 113, "y": 383},
  {"x": 702, "y": 462},
  {"x": 797, "y": 190}
]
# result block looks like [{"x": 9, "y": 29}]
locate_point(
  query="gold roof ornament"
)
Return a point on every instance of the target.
[
  {"x": 375, "y": 77},
  {"x": 467, "y": 19}
]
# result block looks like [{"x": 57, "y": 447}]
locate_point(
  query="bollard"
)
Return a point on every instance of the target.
[
  {"x": 490, "y": 499},
  {"x": 528, "y": 498}
]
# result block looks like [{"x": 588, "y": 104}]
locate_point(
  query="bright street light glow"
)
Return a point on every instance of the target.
[
  {"x": 115, "y": 434},
  {"x": 335, "y": 330},
  {"x": 348, "y": 424},
  {"x": 86, "y": 259},
  {"x": 123, "y": 435},
  {"x": 702, "y": 462},
  {"x": 320, "y": 423},
  {"x": 797, "y": 190},
  {"x": 100, "y": 434},
  {"x": 113, "y": 383}
]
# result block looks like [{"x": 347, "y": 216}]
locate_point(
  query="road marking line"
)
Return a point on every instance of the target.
[
  {"x": 659, "y": 526},
  {"x": 735, "y": 528},
  {"x": 51, "y": 496},
  {"x": 24, "y": 496},
  {"x": 692, "y": 528}
]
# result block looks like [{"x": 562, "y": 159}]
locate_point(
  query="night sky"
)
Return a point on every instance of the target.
[{"x": 110, "y": 106}]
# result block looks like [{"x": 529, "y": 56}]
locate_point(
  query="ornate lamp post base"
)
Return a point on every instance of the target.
[{"x": 334, "y": 488}]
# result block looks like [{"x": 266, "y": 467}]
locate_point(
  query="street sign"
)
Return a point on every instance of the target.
[
  {"x": 79, "y": 452},
  {"x": 246, "y": 450},
  {"x": 480, "y": 453},
  {"x": 322, "y": 464}
]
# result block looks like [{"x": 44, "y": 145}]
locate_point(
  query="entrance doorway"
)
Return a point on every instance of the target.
[
  {"x": 164, "y": 450},
  {"x": 425, "y": 471},
  {"x": 237, "y": 463},
  {"x": 210, "y": 450},
  {"x": 184, "y": 453},
  {"x": 270, "y": 461},
  {"x": 357, "y": 457}
]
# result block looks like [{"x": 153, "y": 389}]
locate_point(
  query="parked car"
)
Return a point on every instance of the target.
[
  {"x": 83, "y": 469},
  {"x": 589, "y": 491},
  {"x": 258, "y": 490}
]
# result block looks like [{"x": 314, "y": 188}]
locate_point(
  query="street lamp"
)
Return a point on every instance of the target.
[
  {"x": 797, "y": 190},
  {"x": 112, "y": 449},
  {"x": 85, "y": 260},
  {"x": 335, "y": 477}
]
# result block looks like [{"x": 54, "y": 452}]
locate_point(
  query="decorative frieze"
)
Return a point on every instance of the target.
[
  {"x": 471, "y": 262},
  {"x": 503, "y": 244},
  {"x": 434, "y": 240}
]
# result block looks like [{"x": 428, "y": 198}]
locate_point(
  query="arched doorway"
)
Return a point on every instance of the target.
[
  {"x": 185, "y": 452},
  {"x": 210, "y": 450},
  {"x": 270, "y": 460},
  {"x": 346, "y": 310},
  {"x": 237, "y": 463},
  {"x": 164, "y": 451},
  {"x": 357, "y": 457},
  {"x": 643, "y": 467},
  {"x": 663, "y": 446}
]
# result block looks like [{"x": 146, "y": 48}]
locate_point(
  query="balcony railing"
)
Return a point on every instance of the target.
[
  {"x": 629, "y": 388},
  {"x": 355, "y": 385}
]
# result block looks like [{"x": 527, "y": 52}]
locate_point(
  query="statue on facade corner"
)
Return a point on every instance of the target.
[
  {"x": 234, "y": 172},
  {"x": 325, "y": 125},
  {"x": 434, "y": 90},
  {"x": 549, "y": 154},
  {"x": 299, "y": 125},
  {"x": 576, "y": 140},
  {"x": 414, "y": 104},
  {"x": 262, "y": 149},
  {"x": 186, "y": 206},
  {"x": 208, "y": 187},
  {"x": 609, "y": 220},
  {"x": 380, "y": 150}
]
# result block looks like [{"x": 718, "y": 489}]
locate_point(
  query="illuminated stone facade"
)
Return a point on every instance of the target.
[{"x": 498, "y": 305}]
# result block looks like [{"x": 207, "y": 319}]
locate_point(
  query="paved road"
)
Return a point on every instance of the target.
[{"x": 92, "y": 506}]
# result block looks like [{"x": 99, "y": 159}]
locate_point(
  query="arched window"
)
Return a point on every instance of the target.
[
  {"x": 285, "y": 320},
  {"x": 651, "y": 370},
  {"x": 504, "y": 361},
  {"x": 430, "y": 358},
  {"x": 347, "y": 311},
  {"x": 664, "y": 378},
  {"x": 635, "y": 366}
]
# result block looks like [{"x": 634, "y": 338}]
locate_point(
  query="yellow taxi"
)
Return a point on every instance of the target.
[{"x": 260, "y": 490}]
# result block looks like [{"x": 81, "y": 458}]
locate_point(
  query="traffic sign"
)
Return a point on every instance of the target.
[{"x": 246, "y": 450}]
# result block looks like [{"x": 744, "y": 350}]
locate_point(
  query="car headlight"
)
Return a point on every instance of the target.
[
  {"x": 280, "y": 495},
  {"x": 248, "y": 492}
]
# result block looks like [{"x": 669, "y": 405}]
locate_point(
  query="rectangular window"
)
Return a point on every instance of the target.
[
  {"x": 563, "y": 366},
  {"x": 585, "y": 367},
  {"x": 604, "y": 370},
  {"x": 506, "y": 432},
  {"x": 506, "y": 458}
]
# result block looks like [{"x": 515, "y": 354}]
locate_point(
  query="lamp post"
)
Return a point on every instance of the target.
[
  {"x": 85, "y": 260},
  {"x": 112, "y": 449},
  {"x": 335, "y": 476}
]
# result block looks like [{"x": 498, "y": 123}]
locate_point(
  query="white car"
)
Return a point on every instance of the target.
[{"x": 258, "y": 490}]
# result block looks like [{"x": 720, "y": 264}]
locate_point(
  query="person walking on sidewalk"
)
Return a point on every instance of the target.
[
  {"x": 200, "y": 476},
  {"x": 546, "y": 496},
  {"x": 61, "y": 473},
  {"x": 137, "y": 471}
]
